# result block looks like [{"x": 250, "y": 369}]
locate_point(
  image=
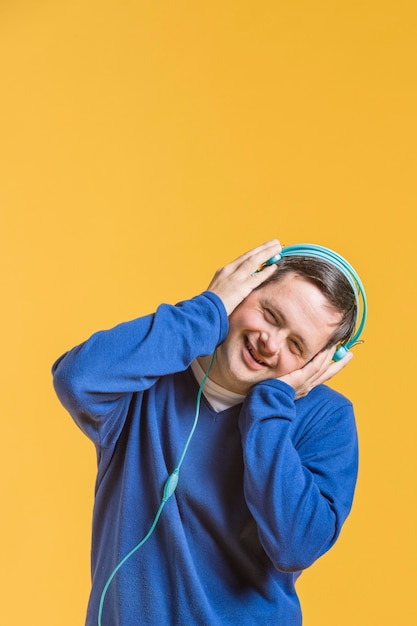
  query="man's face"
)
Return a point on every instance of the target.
[{"x": 274, "y": 331}]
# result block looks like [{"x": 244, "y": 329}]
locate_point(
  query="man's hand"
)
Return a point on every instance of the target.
[
  {"x": 236, "y": 280},
  {"x": 320, "y": 369}
]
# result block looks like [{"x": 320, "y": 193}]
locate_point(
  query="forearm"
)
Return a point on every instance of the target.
[
  {"x": 299, "y": 496},
  {"x": 93, "y": 376}
]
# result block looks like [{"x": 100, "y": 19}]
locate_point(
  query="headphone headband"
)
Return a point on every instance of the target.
[{"x": 325, "y": 254}]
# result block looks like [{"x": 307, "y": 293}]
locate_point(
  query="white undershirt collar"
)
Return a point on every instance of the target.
[{"x": 218, "y": 397}]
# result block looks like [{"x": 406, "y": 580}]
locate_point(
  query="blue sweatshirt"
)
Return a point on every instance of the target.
[{"x": 263, "y": 490}]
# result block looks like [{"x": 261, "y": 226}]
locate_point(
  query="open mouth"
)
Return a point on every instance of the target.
[{"x": 254, "y": 357}]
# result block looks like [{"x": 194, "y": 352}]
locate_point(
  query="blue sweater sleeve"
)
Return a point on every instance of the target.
[
  {"x": 96, "y": 380},
  {"x": 300, "y": 469}
]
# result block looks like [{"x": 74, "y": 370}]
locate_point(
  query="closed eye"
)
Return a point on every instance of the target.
[
  {"x": 272, "y": 317},
  {"x": 297, "y": 347}
]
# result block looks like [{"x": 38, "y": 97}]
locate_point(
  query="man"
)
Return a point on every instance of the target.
[{"x": 266, "y": 460}]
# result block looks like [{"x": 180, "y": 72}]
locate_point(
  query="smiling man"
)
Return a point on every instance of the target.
[
  {"x": 274, "y": 331},
  {"x": 268, "y": 455}
]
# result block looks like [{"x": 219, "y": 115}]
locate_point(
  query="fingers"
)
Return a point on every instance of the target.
[
  {"x": 251, "y": 260},
  {"x": 327, "y": 369},
  {"x": 322, "y": 367},
  {"x": 261, "y": 253},
  {"x": 337, "y": 366},
  {"x": 236, "y": 280},
  {"x": 318, "y": 371}
]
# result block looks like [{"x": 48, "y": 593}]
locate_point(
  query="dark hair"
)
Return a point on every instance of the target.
[{"x": 331, "y": 282}]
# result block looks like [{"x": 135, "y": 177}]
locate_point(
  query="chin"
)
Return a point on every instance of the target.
[{"x": 243, "y": 385}]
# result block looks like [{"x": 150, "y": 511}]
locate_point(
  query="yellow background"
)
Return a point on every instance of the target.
[{"x": 145, "y": 143}]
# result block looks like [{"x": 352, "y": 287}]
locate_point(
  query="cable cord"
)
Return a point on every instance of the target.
[{"x": 169, "y": 488}]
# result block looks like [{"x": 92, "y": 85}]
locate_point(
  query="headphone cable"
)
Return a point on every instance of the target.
[{"x": 169, "y": 488}]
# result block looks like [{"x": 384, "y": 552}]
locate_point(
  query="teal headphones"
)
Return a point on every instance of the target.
[{"x": 325, "y": 254}]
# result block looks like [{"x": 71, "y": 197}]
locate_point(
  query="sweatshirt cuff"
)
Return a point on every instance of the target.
[{"x": 280, "y": 385}]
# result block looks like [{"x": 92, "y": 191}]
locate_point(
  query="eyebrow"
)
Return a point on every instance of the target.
[{"x": 280, "y": 314}]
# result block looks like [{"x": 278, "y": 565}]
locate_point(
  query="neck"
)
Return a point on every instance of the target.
[{"x": 204, "y": 362}]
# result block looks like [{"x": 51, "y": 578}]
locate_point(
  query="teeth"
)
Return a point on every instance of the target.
[{"x": 253, "y": 356}]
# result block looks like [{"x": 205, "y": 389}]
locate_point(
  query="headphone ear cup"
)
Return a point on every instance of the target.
[{"x": 340, "y": 353}]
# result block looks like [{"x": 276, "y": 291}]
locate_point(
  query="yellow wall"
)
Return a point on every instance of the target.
[{"x": 142, "y": 145}]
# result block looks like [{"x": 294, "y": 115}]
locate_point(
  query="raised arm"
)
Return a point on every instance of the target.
[
  {"x": 300, "y": 469},
  {"x": 100, "y": 374},
  {"x": 97, "y": 378}
]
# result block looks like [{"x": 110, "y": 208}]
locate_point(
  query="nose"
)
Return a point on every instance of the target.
[{"x": 272, "y": 340}]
